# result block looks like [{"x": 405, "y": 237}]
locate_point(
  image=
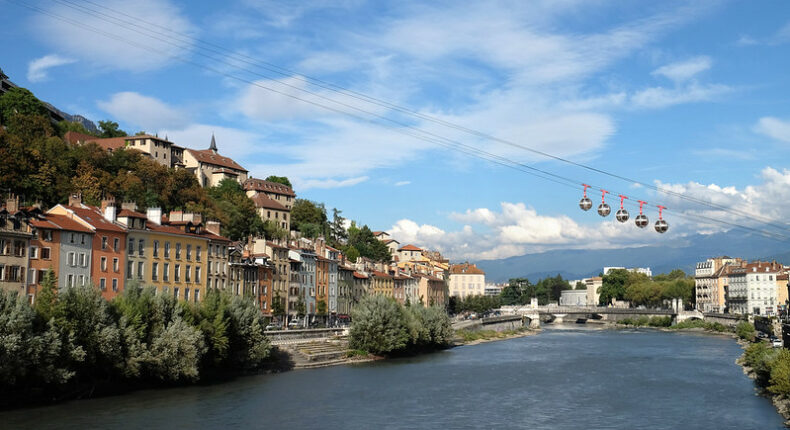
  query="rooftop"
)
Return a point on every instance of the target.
[
  {"x": 253, "y": 184},
  {"x": 208, "y": 156}
]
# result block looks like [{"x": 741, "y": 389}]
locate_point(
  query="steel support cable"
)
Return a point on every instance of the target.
[
  {"x": 383, "y": 103},
  {"x": 431, "y": 138}
]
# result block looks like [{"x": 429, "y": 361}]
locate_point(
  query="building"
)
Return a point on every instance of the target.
[
  {"x": 16, "y": 233},
  {"x": 271, "y": 210},
  {"x": 494, "y": 289},
  {"x": 345, "y": 290},
  {"x": 108, "y": 250},
  {"x": 276, "y": 191},
  {"x": 708, "y": 288},
  {"x": 211, "y": 168},
  {"x": 752, "y": 288},
  {"x": 63, "y": 245},
  {"x": 466, "y": 280},
  {"x": 594, "y": 285},
  {"x": 433, "y": 291},
  {"x": 409, "y": 253},
  {"x": 573, "y": 298},
  {"x": 381, "y": 283},
  {"x": 160, "y": 150},
  {"x": 217, "y": 257}
]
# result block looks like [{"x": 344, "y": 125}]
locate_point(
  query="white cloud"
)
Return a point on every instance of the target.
[
  {"x": 684, "y": 70},
  {"x": 660, "y": 97},
  {"x": 402, "y": 183},
  {"x": 148, "y": 113},
  {"x": 303, "y": 184},
  {"x": 142, "y": 54},
  {"x": 774, "y": 128},
  {"x": 38, "y": 68}
]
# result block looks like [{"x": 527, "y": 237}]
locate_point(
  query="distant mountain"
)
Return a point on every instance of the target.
[{"x": 681, "y": 254}]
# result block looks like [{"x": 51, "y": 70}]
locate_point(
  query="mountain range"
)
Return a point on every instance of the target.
[{"x": 682, "y": 253}]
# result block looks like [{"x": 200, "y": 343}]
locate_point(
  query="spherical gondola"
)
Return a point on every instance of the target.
[
  {"x": 661, "y": 225},
  {"x": 585, "y": 203},
  {"x": 603, "y": 209},
  {"x": 641, "y": 220},
  {"x": 622, "y": 214}
]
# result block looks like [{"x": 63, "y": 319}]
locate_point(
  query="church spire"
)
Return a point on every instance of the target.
[{"x": 213, "y": 146}]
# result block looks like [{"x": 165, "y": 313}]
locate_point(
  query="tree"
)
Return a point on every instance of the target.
[
  {"x": 47, "y": 297},
  {"x": 19, "y": 101},
  {"x": 581, "y": 285},
  {"x": 320, "y": 307},
  {"x": 378, "y": 326},
  {"x": 614, "y": 286},
  {"x": 363, "y": 240},
  {"x": 110, "y": 129},
  {"x": 280, "y": 180},
  {"x": 65, "y": 126},
  {"x": 278, "y": 309},
  {"x": 307, "y": 212},
  {"x": 337, "y": 230}
]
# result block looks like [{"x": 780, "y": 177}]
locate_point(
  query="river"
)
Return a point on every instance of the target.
[{"x": 567, "y": 377}]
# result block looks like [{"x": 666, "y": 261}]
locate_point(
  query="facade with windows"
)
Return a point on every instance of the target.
[
  {"x": 70, "y": 243},
  {"x": 15, "y": 236},
  {"x": 466, "y": 280},
  {"x": 273, "y": 200}
]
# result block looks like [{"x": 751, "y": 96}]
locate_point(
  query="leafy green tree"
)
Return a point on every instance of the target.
[
  {"x": 378, "y": 326},
  {"x": 272, "y": 230},
  {"x": 19, "y": 101},
  {"x": 779, "y": 381},
  {"x": 306, "y": 212},
  {"x": 236, "y": 211},
  {"x": 351, "y": 253},
  {"x": 311, "y": 230},
  {"x": 46, "y": 299},
  {"x": 110, "y": 129},
  {"x": 363, "y": 240},
  {"x": 65, "y": 126},
  {"x": 745, "y": 330},
  {"x": 337, "y": 231},
  {"x": 280, "y": 180},
  {"x": 278, "y": 309},
  {"x": 581, "y": 285},
  {"x": 614, "y": 286},
  {"x": 320, "y": 307}
]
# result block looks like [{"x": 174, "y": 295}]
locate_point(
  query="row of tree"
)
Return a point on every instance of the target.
[
  {"x": 640, "y": 290},
  {"x": 73, "y": 341},
  {"x": 383, "y": 326},
  {"x": 520, "y": 291}
]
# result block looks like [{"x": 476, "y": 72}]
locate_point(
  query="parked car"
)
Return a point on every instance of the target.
[
  {"x": 295, "y": 323},
  {"x": 273, "y": 326},
  {"x": 762, "y": 335},
  {"x": 776, "y": 343}
]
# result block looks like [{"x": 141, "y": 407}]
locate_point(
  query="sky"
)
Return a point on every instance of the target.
[{"x": 691, "y": 97}]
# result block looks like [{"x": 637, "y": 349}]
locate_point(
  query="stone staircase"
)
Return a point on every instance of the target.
[{"x": 318, "y": 353}]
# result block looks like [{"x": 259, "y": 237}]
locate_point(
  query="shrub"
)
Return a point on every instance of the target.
[
  {"x": 779, "y": 382},
  {"x": 745, "y": 330}
]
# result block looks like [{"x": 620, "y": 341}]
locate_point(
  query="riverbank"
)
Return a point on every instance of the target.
[
  {"x": 469, "y": 337},
  {"x": 780, "y": 401}
]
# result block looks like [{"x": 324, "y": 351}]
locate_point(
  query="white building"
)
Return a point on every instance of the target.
[
  {"x": 573, "y": 298},
  {"x": 466, "y": 280},
  {"x": 709, "y": 285},
  {"x": 643, "y": 270},
  {"x": 752, "y": 289}
]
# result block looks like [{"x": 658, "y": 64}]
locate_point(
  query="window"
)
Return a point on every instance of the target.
[
  {"x": 33, "y": 252},
  {"x": 19, "y": 248},
  {"x": 116, "y": 243},
  {"x": 71, "y": 259},
  {"x": 178, "y": 251},
  {"x": 129, "y": 270},
  {"x": 156, "y": 249},
  {"x": 197, "y": 295},
  {"x": 187, "y": 274},
  {"x": 130, "y": 248},
  {"x": 115, "y": 265},
  {"x": 140, "y": 268},
  {"x": 210, "y": 250},
  {"x": 83, "y": 260},
  {"x": 209, "y": 268},
  {"x": 104, "y": 242},
  {"x": 197, "y": 253},
  {"x": 141, "y": 247},
  {"x": 167, "y": 249},
  {"x": 104, "y": 264},
  {"x": 175, "y": 293},
  {"x": 186, "y": 294},
  {"x": 82, "y": 280},
  {"x": 47, "y": 235},
  {"x": 103, "y": 284},
  {"x": 71, "y": 239},
  {"x": 197, "y": 275},
  {"x": 189, "y": 252},
  {"x": 166, "y": 272},
  {"x": 70, "y": 280},
  {"x": 177, "y": 273},
  {"x": 115, "y": 285},
  {"x": 155, "y": 271},
  {"x": 82, "y": 239}
]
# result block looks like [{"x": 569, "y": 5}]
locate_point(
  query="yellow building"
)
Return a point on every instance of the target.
[
  {"x": 381, "y": 283},
  {"x": 171, "y": 257}
]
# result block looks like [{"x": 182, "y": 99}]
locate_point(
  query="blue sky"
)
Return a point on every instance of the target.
[{"x": 691, "y": 96}]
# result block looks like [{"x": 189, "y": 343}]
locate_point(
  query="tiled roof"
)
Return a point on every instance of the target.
[
  {"x": 360, "y": 275},
  {"x": 268, "y": 186},
  {"x": 380, "y": 274},
  {"x": 209, "y": 157},
  {"x": 261, "y": 200},
  {"x": 59, "y": 222},
  {"x": 465, "y": 269},
  {"x": 388, "y": 241},
  {"x": 131, "y": 214},
  {"x": 93, "y": 216},
  {"x": 409, "y": 248}
]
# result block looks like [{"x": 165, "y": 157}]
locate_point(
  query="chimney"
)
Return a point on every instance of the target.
[
  {"x": 129, "y": 206},
  {"x": 176, "y": 216},
  {"x": 154, "y": 215},
  {"x": 213, "y": 227},
  {"x": 12, "y": 204},
  {"x": 75, "y": 199},
  {"x": 108, "y": 209}
]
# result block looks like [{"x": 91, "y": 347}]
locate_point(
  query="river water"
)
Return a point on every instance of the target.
[{"x": 564, "y": 378}]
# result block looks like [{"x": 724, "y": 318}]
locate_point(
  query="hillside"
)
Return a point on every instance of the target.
[{"x": 684, "y": 254}]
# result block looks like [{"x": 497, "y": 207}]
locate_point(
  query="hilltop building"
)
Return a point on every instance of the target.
[{"x": 466, "y": 280}]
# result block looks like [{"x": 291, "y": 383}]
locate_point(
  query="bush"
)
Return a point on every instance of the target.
[
  {"x": 745, "y": 330},
  {"x": 759, "y": 356},
  {"x": 382, "y": 326},
  {"x": 779, "y": 382}
]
